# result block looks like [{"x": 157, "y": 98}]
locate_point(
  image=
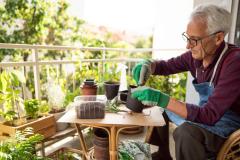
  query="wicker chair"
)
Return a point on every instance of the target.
[{"x": 231, "y": 148}]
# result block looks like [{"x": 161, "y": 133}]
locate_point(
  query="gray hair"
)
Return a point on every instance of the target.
[{"x": 216, "y": 18}]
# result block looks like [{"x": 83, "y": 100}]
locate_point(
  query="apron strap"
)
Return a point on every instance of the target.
[{"x": 218, "y": 61}]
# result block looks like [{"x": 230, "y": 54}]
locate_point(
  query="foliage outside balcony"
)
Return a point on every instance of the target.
[{"x": 48, "y": 23}]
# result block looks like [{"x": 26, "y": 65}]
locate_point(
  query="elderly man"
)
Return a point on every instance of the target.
[{"x": 215, "y": 66}]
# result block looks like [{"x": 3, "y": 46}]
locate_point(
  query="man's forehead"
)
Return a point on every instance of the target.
[{"x": 196, "y": 28}]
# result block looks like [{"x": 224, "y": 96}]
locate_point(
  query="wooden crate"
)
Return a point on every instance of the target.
[{"x": 44, "y": 125}]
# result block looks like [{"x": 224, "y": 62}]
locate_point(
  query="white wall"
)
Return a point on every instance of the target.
[{"x": 170, "y": 23}]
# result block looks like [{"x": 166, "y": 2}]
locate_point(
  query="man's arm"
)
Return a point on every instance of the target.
[{"x": 177, "y": 107}]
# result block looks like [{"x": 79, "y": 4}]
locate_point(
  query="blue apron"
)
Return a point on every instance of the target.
[{"x": 227, "y": 124}]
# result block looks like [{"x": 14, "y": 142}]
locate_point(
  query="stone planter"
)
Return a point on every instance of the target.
[{"x": 60, "y": 126}]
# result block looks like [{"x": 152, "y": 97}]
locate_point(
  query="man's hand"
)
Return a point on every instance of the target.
[
  {"x": 150, "y": 97},
  {"x": 141, "y": 72}
]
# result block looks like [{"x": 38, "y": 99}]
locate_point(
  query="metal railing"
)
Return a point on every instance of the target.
[{"x": 36, "y": 62}]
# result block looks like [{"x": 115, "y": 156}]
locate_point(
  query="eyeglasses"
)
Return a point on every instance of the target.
[{"x": 194, "y": 41}]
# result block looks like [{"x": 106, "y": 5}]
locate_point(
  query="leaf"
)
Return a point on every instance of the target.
[{"x": 18, "y": 76}]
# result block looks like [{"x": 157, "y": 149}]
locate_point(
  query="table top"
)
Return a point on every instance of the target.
[{"x": 149, "y": 117}]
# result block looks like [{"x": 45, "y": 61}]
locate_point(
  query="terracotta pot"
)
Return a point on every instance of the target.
[
  {"x": 101, "y": 144},
  {"x": 132, "y": 103},
  {"x": 111, "y": 89},
  {"x": 89, "y": 89}
]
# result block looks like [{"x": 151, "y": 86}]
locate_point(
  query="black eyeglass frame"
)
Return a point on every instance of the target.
[{"x": 194, "y": 42}]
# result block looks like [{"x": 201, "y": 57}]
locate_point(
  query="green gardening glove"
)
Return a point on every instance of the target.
[
  {"x": 142, "y": 71},
  {"x": 150, "y": 97}
]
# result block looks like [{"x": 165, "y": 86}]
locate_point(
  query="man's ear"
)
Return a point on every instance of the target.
[{"x": 219, "y": 38}]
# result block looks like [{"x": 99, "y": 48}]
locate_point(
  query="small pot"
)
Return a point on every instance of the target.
[
  {"x": 111, "y": 89},
  {"x": 132, "y": 103},
  {"x": 123, "y": 95},
  {"x": 89, "y": 89}
]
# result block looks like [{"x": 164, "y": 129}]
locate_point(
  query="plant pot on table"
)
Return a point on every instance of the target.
[
  {"x": 111, "y": 89},
  {"x": 89, "y": 87}
]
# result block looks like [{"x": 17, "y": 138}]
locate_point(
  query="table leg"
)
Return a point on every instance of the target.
[
  {"x": 148, "y": 134},
  {"x": 82, "y": 141},
  {"x": 113, "y": 143}
]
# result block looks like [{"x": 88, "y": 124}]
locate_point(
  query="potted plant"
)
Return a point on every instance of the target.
[
  {"x": 12, "y": 108},
  {"x": 111, "y": 83},
  {"x": 31, "y": 107},
  {"x": 89, "y": 87}
]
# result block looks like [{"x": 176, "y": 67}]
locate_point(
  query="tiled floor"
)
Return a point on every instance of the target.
[{"x": 74, "y": 142}]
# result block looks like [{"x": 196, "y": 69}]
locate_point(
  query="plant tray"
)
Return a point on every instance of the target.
[
  {"x": 66, "y": 153},
  {"x": 45, "y": 126}
]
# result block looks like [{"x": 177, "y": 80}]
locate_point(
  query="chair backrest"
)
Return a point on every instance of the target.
[{"x": 231, "y": 147}]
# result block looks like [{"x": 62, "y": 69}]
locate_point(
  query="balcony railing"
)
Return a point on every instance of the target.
[{"x": 36, "y": 62}]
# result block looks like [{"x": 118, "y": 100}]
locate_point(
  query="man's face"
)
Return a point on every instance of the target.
[{"x": 204, "y": 45}]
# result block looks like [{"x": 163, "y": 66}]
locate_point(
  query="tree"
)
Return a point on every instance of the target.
[{"x": 36, "y": 22}]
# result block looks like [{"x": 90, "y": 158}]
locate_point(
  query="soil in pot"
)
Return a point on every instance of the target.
[
  {"x": 101, "y": 144},
  {"x": 111, "y": 89},
  {"x": 132, "y": 103}
]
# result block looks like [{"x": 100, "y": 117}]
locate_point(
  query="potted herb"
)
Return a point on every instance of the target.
[{"x": 31, "y": 107}]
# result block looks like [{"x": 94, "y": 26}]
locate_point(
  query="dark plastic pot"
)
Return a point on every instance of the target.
[
  {"x": 89, "y": 82},
  {"x": 111, "y": 89},
  {"x": 123, "y": 95},
  {"x": 132, "y": 103}
]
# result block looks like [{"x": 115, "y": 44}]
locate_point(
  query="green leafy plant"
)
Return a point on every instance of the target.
[
  {"x": 10, "y": 89},
  {"x": 31, "y": 107},
  {"x": 174, "y": 85},
  {"x": 21, "y": 146}
]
